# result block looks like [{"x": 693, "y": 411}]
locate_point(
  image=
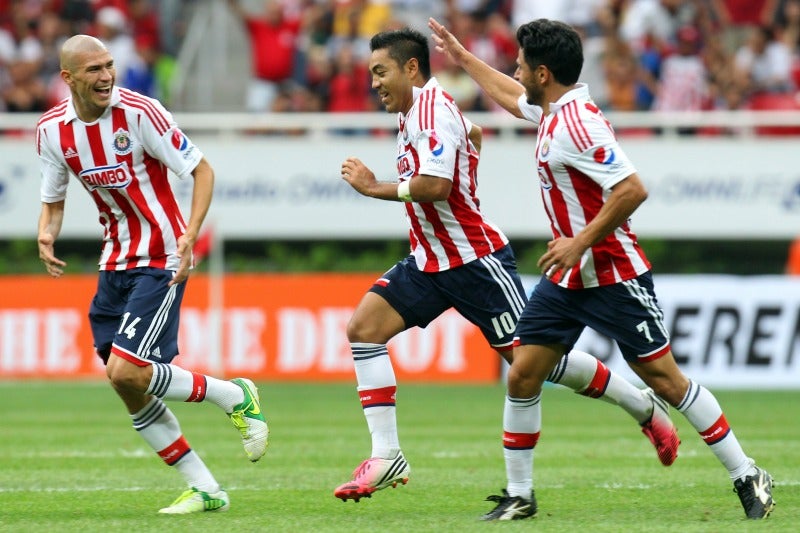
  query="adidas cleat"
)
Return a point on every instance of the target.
[
  {"x": 197, "y": 501},
  {"x": 374, "y": 474},
  {"x": 249, "y": 420},
  {"x": 511, "y": 507},
  {"x": 661, "y": 431},
  {"x": 755, "y": 493}
]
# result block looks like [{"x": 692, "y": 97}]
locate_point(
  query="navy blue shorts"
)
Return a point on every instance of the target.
[
  {"x": 135, "y": 314},
  {"x": 488, "y": 292},
  {"x": 626, "y": 312}
]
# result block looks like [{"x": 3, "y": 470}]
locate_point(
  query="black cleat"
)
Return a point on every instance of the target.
[
  {"x": 511, "y": 508},
  {"x": 755, "y": 493}
]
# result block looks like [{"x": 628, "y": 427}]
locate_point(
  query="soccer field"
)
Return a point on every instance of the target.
[{"x": 70, "y": 461}]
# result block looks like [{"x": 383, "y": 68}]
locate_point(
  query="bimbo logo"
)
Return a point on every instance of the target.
[
  {"x": 404, "y": 166},
  {"x": 107, "y": 177}
]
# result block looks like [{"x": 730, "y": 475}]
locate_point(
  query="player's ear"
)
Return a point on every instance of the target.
[
  {"x": 66, "y": 75},
  {"x": 412, "y": 67}
]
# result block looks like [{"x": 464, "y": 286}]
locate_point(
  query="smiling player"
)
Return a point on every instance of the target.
[
  {"x": 458, "y": 259},
  {"x": 119, "y": 145}
]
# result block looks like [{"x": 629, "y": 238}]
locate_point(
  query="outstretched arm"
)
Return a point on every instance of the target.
[{"x": 501, "y": 88}]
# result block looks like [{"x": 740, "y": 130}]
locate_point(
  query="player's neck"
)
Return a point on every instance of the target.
[{"x": 554, "y": 94}]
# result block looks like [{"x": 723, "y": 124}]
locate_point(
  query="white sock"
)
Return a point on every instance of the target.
[
  {"x": 160, "y": 429},
  {"x": 522, "y": 423},
  {"x": 377, "y": 389},
  {"x": 702, "y": 410},
  {"x": 172, "y": 382},
  {"x": 587, "y": 375}
]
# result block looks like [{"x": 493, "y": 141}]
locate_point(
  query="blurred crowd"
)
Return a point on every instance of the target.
[{"x": 311, "y": 55}]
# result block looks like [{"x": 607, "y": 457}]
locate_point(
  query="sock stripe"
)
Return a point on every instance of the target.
[
  {"x": 691, "y": 395},
  {"x": 175, "y": 451},
  {"x": 597, "y": 387},
  {"x": 557, "y": 373},
  {"x": 520, "y": 441},
  {"x": 363, "y": 351},
  {"x": 199, "y": 385},
  {"x": 524, "y": 402},
  {"x": 718, "y": 431},
  {"x": 385, "y": 396},
  {"x": 162, "y": 377},
  {"x": 149, "y": 415}
]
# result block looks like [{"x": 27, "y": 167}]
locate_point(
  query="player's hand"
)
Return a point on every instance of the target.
[
  {"x": 562, "y": 254},
  {"x": 54, "y": 265},
  {"x": 184, "y": 252},
  {"x": 446, "y": 43},
  {"x": 358, "y": 175}
]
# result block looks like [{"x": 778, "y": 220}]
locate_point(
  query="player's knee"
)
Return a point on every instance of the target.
[
  {"x": 126, "y": 378},
  {"x": 522, "y": 383},
  {"x": 670, "y": 388},
  {"x": 359, "y": 330}
]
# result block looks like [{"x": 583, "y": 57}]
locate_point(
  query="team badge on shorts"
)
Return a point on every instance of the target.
[{"x": 122, "y": 142}]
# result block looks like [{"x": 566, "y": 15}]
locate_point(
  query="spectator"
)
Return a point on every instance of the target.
[
  {"x": 459, "y": 85},
  {"x": 20, "y": 62},
  {"x": 683, "y": 83},
  {"x": 621, "y": 72},
  {"x": 112, "y": 29},
  {"x": 643, "y": 20},
  {"x": 349, "y": 88},
  {"x": 273, "y": 39},
  {"x": 764, "y": 63},
  {"x": 140, "y": 76},
  {"x": 736, "y": 17}
]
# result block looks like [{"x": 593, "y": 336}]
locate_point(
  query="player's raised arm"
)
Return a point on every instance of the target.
[{"x": 500, "y": 87}]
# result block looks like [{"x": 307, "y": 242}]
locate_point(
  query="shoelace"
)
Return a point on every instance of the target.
[
  {"x": 183, "y": 497},
  {"x": 497, "y": 498},
  {"x": 360, "y": 469}
]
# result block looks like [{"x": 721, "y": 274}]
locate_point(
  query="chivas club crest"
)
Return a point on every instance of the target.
[{"x": 122, "y": 142}]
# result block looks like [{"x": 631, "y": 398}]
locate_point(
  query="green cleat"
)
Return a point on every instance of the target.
[
  {"x": 197, "y": 501},
  {"x": 250, "y": 421}
]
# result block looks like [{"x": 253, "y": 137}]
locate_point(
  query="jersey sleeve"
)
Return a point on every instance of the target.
[
  {"x": 165, "y": 141},
  {"x": 54, "y": 175},
  {"x": 437, "y": 147},
  {"x": 530, "y": 112},
  {"x": 601, "y": 158}
]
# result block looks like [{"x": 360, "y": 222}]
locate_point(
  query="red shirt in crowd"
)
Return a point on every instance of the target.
[{"x": 273, "y": 47}]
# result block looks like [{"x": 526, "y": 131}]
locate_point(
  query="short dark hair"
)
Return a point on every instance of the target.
[
  {"x": 555, "y": 45},
  {"x": 403, "y": 45}
]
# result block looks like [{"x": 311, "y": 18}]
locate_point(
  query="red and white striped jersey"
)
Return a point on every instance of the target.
[
  {"x": 433, "y": 140},
  {"x": 579, "y": 160},
  {"x": 121, "y": 160}
]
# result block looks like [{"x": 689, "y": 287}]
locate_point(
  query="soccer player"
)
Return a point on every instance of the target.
[
  {"x": 119, "y": 145},
  {"x": 458, "y": 259},
  {"x": 595, "y": 273}
]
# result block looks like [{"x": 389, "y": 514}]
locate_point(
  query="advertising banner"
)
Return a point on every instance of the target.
[
  {"x": 289, "y": 188},
  {"x": 726, "y": 331},
  {"x": 272, "y": 327}
]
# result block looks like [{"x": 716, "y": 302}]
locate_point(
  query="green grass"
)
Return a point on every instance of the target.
[{"x": 70, "y": 461}]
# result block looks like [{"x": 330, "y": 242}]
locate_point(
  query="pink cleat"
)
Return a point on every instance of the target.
[
  {"x": 661, "y": 431},
  {"x": 374, "y": 474}
]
